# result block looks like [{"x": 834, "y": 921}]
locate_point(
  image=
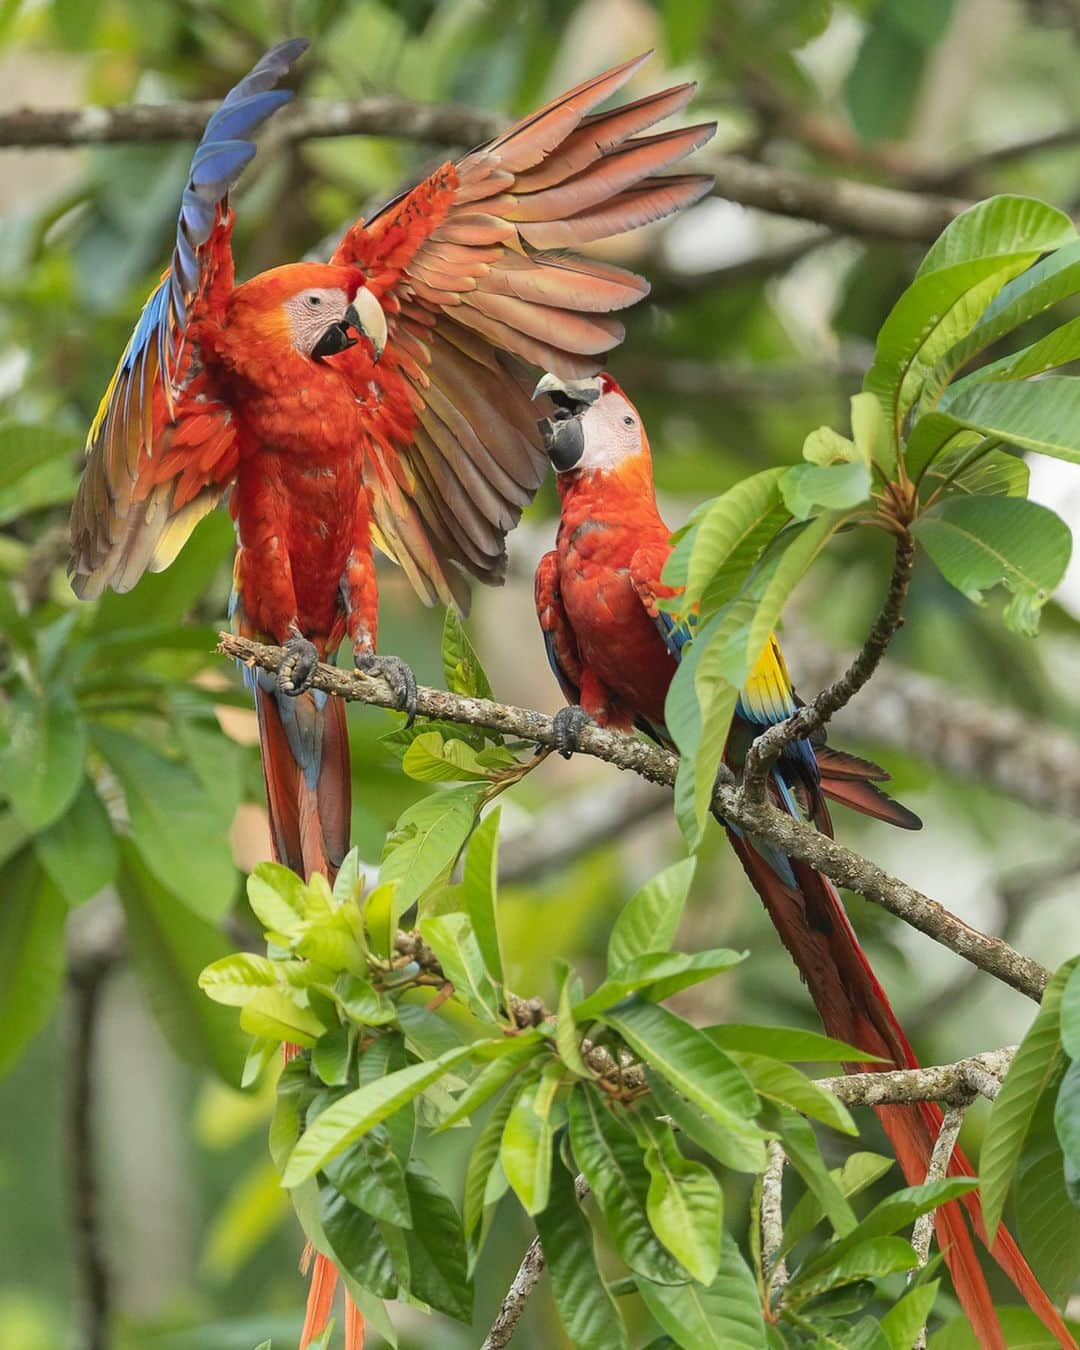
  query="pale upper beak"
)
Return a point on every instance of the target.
[
  {"x": 569, "y": 397},
  {"x": 562, "y": 433},
  {"x": 366, "y": 316}
]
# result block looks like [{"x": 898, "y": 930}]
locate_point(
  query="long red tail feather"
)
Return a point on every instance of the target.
[{"x": 813, "y": 925}]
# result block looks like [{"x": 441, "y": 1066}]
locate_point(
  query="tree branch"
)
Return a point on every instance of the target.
[
  {"x": 798, "y": 840},
  {"x": 951, "y": 1084},
  {"x": 813, "y": 716},
  {"x": 772, "y": 1217}
]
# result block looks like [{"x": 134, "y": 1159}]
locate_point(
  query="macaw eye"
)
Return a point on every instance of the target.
[
  {"x": 628, "y": 421},
  {"x": 314, "y": 301}
]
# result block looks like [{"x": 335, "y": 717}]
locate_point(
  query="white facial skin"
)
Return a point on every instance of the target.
[
  {"x": 612, "y": 431},
  {"x": 312, "y": 312}
]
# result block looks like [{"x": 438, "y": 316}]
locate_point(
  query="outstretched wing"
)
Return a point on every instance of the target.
[
  {"x": 162, "y": 449},
  {"x": 473, "y": 271}
]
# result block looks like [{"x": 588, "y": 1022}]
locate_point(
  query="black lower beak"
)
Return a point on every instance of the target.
[
  {"x": 336, "y": 339},
  {"x": 564, "y": 440}
]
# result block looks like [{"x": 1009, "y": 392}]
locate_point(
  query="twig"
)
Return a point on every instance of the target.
[
  {"x": 938, "y": 1168},
  {"x": 86, "y": 980},
  {"x": 796, "y": 839},
  {"x": 773, "y": 1264},
  {"x": 813, "y": 717},
  {"x": 524, "y": 1282}
]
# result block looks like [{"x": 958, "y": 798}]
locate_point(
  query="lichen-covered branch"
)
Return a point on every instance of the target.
[
  {"x": 798, "y": 840},
  {"x": 951, "y": 1084},
  {"x": 772, "y": 1217}
]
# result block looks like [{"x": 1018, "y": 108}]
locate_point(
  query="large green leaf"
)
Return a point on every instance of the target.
[
  {"x": 790, "y": 1043},
  {"x": 32, "y": 918},
  {"x": 348, "y": 1119},
  {"x": 657, "y": 975},
  {"x": 741, "y": 1152},
  {"x": 1070, "y": 1015},
  {"x": 859, "y": 1171},
  {"x": 174, "y": 825},
  {"x": 41, "y": 767},
  {"x": 482, "y": 1167},
  {"x": 836, "y": 487},
  {"x": 480, "y": 882},
  {"x": 973, "y": 258},
  {"x": 452, "y": 939},
  {"x": 908, "y": 1315},
  {"x": 525, "y": 1152},
  {"x": 690, "y": 1063},
  {"x": 684, "y": 1202},
  {"x": 486, "y": 1083},
  {"x": 436, "y": 1246},
  {"x": 610, "y": 1159},
  {"x": 647, "y": 922},
  {"x": 979, "y": 542},
  {"x": 461, "y": 665},
  {"x": 586, "y": 1308},
  {"x": 1067, "y": 1116},
  {"x": 1047, "y": 1224},
  {"x": 783, "y": 1083},
  {"x": 79, "y": 849},
  {"x": 1043, "y": 415},
  {"x": 802, "y": 1149},
  {"x": 170, "y": 946},
  {"x": 1013, "y": 1109},
  {"x": 725, "y": 1316},
  {"x": 357, "y": 1242},
  {"x": 872, "y": 1258},
  {"x": 425, "y": 842}
]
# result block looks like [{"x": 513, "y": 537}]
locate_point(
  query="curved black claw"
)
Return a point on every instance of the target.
[
  {"x": 397, "y": 674},
  {"x": 568, "y": 724},
  {"x": 297, "y": 670}
]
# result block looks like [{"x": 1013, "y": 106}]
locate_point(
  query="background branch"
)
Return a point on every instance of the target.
[{"x": 841, "y": 864}]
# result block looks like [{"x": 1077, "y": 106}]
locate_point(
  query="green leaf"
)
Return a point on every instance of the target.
[
  {"x": 567, "y": 1032},
  {"x": 237, "y": 978},
  {"x": 782, "y": 1083},
  {"x": 353, "y": 1115},
  {"x": 525, "y": 1152},
  {"x": 648, "y": 921},
  {"x": 461, "y": 665},
  {"x": 358, "y": 1244},
  {"x": 833, "y": 486},
  {"x": 978, "y": 542},
  {"x": 729, "y": 534},
  {"x": 431, "y": 759},
  {"x": 1013, "y": 1109},
  {"x": 1070, "y": 1015},
  {"x": 25, "y": 447},
  {"x": 690, "y": 1063},
  {"x": 869, "y": 1260},
  {"x": 1040, "y": 416},
  {"x": 41, "y": 768},
  {"x": 480, "y": 882},
  {"x": 989, "y": 472},
  {"x": 790, "y": 1043},
  {"x": 725, "y": 1316},
  {"x": 79, "y": 849},
  {"x": 802, "y": 1149},
  {"x": 521, "y": 1050},
  {"x": 170, "y": 946},
  {"x": 436, "y": 1247},
  {"x": 742, "y": 1152},
  {"x": 871, "y": 434},
  {"x": 896, "y": 1211},
  {"x": 1067, "y": 1115},
  {"x": 370, "y": 1176},
  {"x": 859, "y": 1171},
  {"x": 483, "y": 1165},
  {"x": 684, "y": 1203},
  {"x": 330, "y": 1057},
  {"x": 174, "y": 825},
  {"x": 1047, "y": 1224},
  {"x": 273, "y": 1014},
  {"x": 425, "y": 842},
  {"x": 277, "y": 897},
  {"x": 656, "y": 975},
  {"x": 908, "y": 1315},
  {"x": 974, "y": 257},
  {"x": 586, "y": 1308},
  {"x": 610, "y": 1160},
  {"x": 32, "y": 918},
  {"x": 451, "y": 938}
]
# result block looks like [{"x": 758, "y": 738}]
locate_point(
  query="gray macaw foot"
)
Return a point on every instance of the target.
[
  {"x": 297, "y": 670},
  {"x": 569, "y": 723},
  {"x": 397, "y": 674}
]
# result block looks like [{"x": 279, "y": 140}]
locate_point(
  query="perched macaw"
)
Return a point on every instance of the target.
[
  {"x": 274, "y": 388},
  {"x": 614, "y": 653}
]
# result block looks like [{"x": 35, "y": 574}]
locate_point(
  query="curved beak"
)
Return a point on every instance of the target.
[
  {"x": 562, "y": 433},
  {"x": 366, "y": 316}
]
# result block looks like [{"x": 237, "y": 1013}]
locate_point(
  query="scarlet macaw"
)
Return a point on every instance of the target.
[
  {"x": 275, "y": 388},
  {"x": 614, "y": 653}
]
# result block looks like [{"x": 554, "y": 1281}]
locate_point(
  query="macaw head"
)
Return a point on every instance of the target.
[
  {"x": 593, "y": 427},
  {"x": 317, "y": 309}
]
